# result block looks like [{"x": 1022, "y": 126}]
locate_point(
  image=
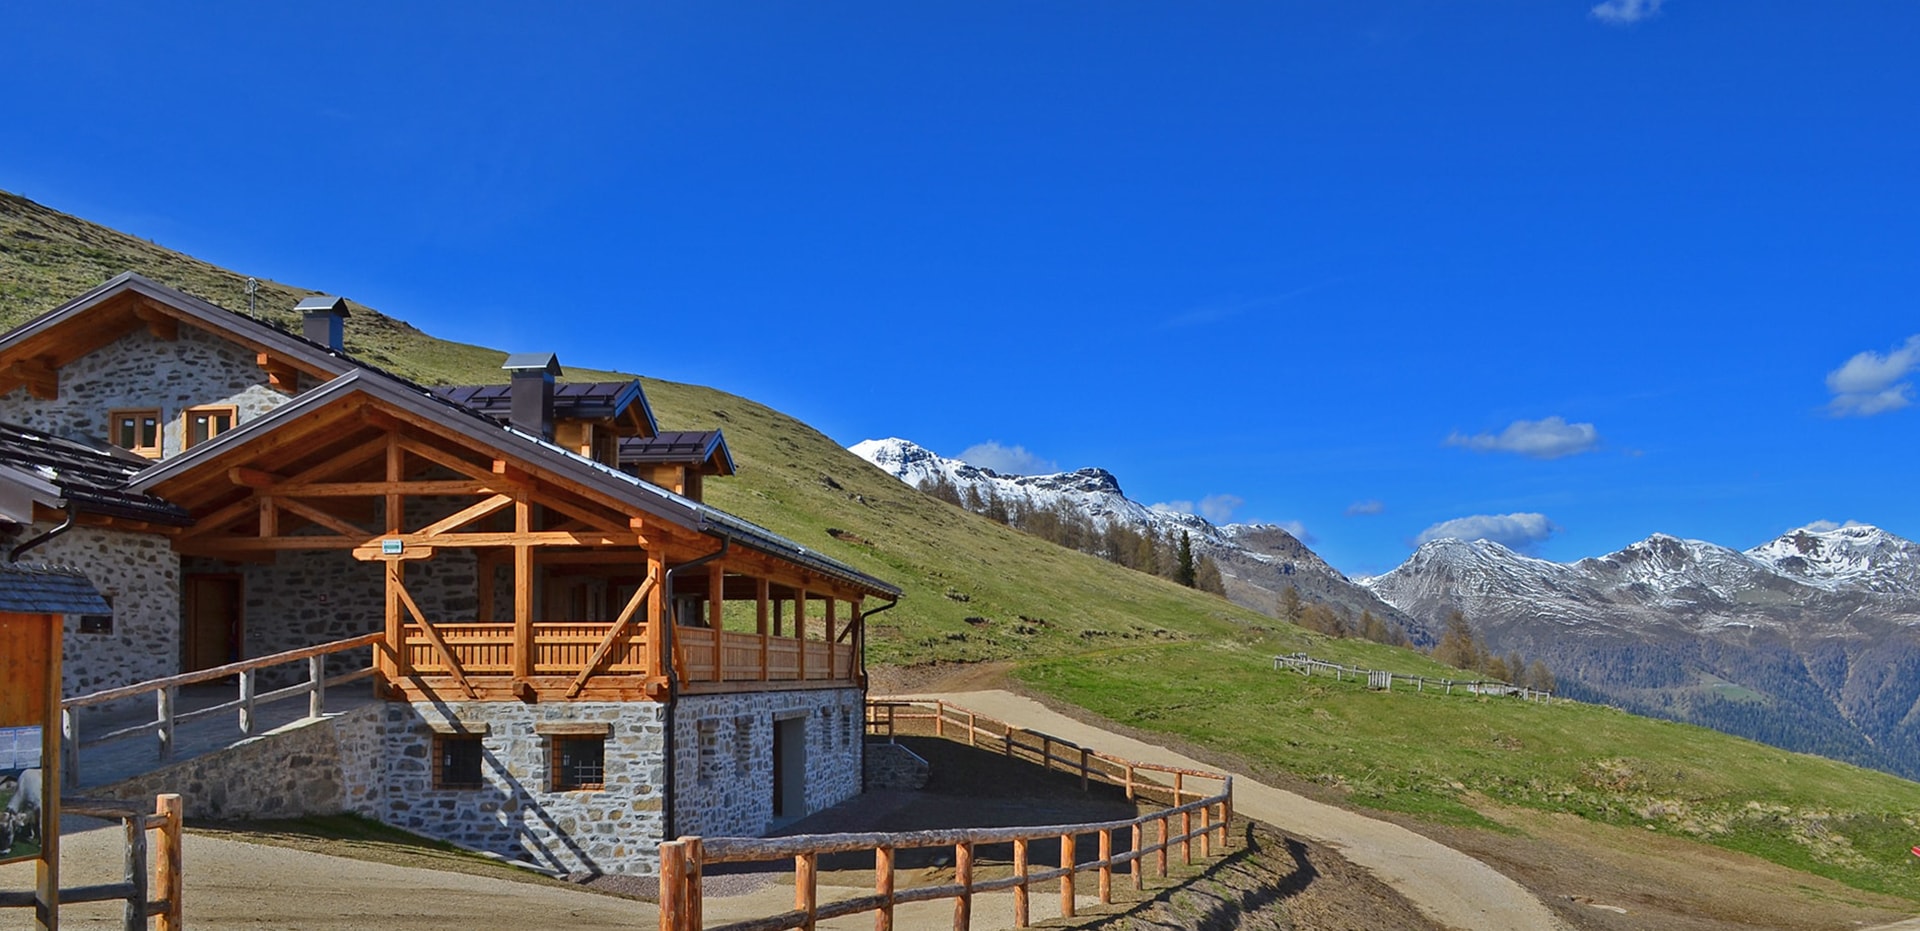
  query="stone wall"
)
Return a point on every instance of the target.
[
  {"x": 723, "y": 750},
  {"x": 139, "y": 370},
  {"x": 140, "y": 576},
  {"x": 306, "y": 768},
  {"x": 892, "y": 766},
  {"x": 515, "y": 813}
]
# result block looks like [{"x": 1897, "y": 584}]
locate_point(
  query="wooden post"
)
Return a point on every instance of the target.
[
  {"x": 70, "y": 746},
  {"x": 673, "y": 885},
  {"x": 940, "y": 719},
  {"x": 1179, "y": 789},
  {"x": 970, "y": 729},
  {"x": 246, "y": 701},
  {"x": 1046, "y": 753},
  {"x": 658, "y": 658},
  {"x": 395, "y": 665},
  {"x": 134, "y": 915},
  {"x": 1129, "y": 782},
  {"x": 1066, "y": 881},
  {"x": 1161, "y": 849},
  {"x": 1186, "y": 837},
  {"x": 166, "y": 869},
  {"x": 1133, "y": 867},
  {"x": 1020, "y": 887},
  {"x": 1206, "y": 831},
  {"x": 46, "y": 870},
  {"x": 1083, "y": 768},
  {"x": 317, "y": 689},
  {"x": 164, "y": 699},
  {"x": 762, "y": 590},
  {"x": 523, "y": 594},
  {"x": 800, "y": 627},
  {"x": 1106, "y": 866},
  {"x": 883, "y": 887},
  {"x": 832, "y": 620},
  {"x": 963, "y": 875},
  {"x": 1009, "y": 740},
  {"x": 806, "y": 888},
  {"x": 696, "y": 891}
]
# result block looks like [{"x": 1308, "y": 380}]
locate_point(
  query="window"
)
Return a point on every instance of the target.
[
  {"x": 205, "y": 423},
  {"x": 579, "y": 763},
  {"x": 137, "y": 431},
  {"x": 457, "y": 762}
]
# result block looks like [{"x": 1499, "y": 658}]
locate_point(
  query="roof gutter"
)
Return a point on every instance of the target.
[
  {"x": 860, "y": 638},
  {"x": 73, "y": 513},
  {"x": 673, "y": 686}
]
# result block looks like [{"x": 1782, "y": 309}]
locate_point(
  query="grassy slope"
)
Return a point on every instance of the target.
[{"x": 1135, "y": 648}]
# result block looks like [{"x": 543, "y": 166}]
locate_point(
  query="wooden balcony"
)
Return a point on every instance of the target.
[{"x": 477, "y": 660}]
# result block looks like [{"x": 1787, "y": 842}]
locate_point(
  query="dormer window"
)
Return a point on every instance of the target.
[
  {"x": 137, "y": 431},
  {"x": 205, "y": 423}
]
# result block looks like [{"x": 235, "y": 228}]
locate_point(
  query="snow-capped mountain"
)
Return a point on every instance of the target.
[
  {"x": 1810, "y": 641},
  {"x": 1257, "y": 561}
]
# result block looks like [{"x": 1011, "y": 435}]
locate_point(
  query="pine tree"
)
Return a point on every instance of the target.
[{"x": 1184, "y": 573}]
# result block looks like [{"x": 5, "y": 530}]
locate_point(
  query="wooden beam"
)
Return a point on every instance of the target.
[
  {"x": 281, "y": 374},
  {"x": 253, "y": 478},
  {"x": 716, "y": 616},
  {"x": 162, "y": 325},
  {"x": 41, "y": 376},
  {"x": 399, "y": 487},
  {"x": 433, "y": 635},
  {"x": 322, "y": 518},
  {"x": 614, "y": 633},
  {"x": 522, "y": 592},
  {"x": 466, "y": 516},
  {"x": 657, "y": 620},
  {"x": 452, "y": 462}
]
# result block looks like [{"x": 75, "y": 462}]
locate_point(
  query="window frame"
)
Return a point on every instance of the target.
[
  {"x": 440, "y": 762},
  {"x": 213, "y": 410},
  {"x": 137, "y": 414},
  {"x": 560, "y": 777}
]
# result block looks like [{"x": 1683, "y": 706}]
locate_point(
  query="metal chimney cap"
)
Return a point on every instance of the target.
[
  {"x": 518, "y": 362},
  {"x": 323, "y": 304}
]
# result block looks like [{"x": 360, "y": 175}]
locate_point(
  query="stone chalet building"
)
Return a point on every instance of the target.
[{"x": 579, "y": 658}]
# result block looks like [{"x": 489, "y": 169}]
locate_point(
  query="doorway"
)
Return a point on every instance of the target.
[
  {"x": 790, "y": 767},
  {"x": 210, "y": 615}
]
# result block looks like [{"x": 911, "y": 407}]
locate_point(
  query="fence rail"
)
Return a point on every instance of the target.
[
  {"x": 136, "y": 889},
  {"x": 1385, "y": 679},
  {"x": 166, "y": 694},
  {"x": 683, "y": 861}
]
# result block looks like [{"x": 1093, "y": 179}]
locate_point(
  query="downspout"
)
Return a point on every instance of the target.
[
  {"x": 673, "y": 690},
  {"x": 73, "y": 513},
  {"x": 860, "y": 647}
]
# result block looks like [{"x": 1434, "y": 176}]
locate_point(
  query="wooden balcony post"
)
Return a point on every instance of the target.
[
  {"x": 522, "y": 592},
  {"x": 395, "y": 664},
  {"x": 800, "y": 627},
  {"x": 658, "y": 659},
  {"x": 832, "y": 618},
  {"x": 717, "y": 616},
  {"x": 762, "y": 591}
]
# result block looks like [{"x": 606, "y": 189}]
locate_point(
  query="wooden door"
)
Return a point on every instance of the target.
[{"x": 210, "y": 622}]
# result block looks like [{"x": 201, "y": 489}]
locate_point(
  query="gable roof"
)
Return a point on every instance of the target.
[
  {"x": 93, "y": 479},
  {"x": 592, "y": 400},
  {"x": 130, "y": 300},
  {"x": 532, "y": 451},
  {"x": 679, "y": 447}
]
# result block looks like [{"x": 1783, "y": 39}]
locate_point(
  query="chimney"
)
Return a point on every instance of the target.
[
  {"x": 532, "y": 391},
  {"x": 323, "y": 320}
]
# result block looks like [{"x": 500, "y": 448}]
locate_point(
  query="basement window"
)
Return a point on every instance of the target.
[
  {"x": 205, "y": 423},
  {"x": 579, "y": 763},
  {"x": 137, "y": 431},
  {"x": 457, "y": 762}
]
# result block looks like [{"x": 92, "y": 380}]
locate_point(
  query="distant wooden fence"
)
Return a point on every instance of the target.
[
  {"x": 1384, "y": 680},
  {"x": 682, "y": 861},
  {"x": 159, "y": 899},
  {"x": 166, "y": 693}
]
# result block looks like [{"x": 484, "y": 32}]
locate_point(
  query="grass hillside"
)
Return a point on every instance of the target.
[{"x": 1141, "y": 650}]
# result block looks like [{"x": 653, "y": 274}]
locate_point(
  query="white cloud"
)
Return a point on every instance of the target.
[
  {"x": 1625, "y": 12},
  {"x": 1007, "y": 460},
  {"x": 1366, "y": 508},
  {"x": 1177, "y": 507},
  {"x": 1547, "y": 438},
  {"x": 1871, "y": 383},
  {"x": 1514, "y": 531},
  {"x": 1299, "y": 531},
  {"x": 1822, "y": 526},
  {"x": 1220, "y": 508}
]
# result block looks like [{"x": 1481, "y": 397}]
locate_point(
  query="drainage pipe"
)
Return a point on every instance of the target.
[
  {"x": 73, "y": 513},
  {"x": 673, "y": 686}
]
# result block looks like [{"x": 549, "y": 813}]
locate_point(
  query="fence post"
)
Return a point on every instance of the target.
[
  {"x": 970, "y": 736},
  {"x": 1046, "y": 753},
  {"x": 1083, "y": 769},
  {"x": 164, "y": 699},
  {"x": 317, "y": 675},
  {"x": 166, "y": 870},
  {"x": 963, "y": 875},
  {"x": 673, "y": 885},
  {"x": 1020, "y": 888},
  {"x": 806, "y": 888},
  {"x": 1179, "y": 789},
  {"x": 883, "y": 887},
  {"x": 246, "y": 701},
  {"x": 696, "y": 891},
  {"x": 940, "y": 719},
  {"x": 1186, "y": 837},
  {"x": 1066, "y": 880},
  {"x": 1133, "y": 867},
  {"x": 1106, "y": 866},
  {"x": 1160, "y": 852},
  {"x": 135, "y": 913},
  {"x": 1009, "y": 739},
  {"x": 1129, "y": 782},
  {"x": 70, "y": 749},
  {"x": 1206, "y": 831}
]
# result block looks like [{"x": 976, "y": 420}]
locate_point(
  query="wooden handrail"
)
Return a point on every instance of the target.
[
  {"x": 221, "y": 672},
  {"x": 683, "y": 860}
]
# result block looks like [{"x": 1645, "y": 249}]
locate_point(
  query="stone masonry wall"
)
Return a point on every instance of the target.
[
  {"x": 723, "y": 750},
  {"x": 140, "y": 576},
  {"x": 308, "y": 768},
  {"x": 892, "y": 766},
  {"x": 515, "y": 813},
  {"x": 139, "y": 370}
]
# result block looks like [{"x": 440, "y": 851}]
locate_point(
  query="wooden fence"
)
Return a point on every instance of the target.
[
  {"x": 683, "y": 861},
  {"x": 1385, "y": 680},
  {"x": 159, "y": 899},
  {"x": 166, "y": 694}
]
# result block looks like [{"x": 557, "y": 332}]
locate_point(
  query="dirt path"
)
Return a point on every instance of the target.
[{"x": 1453, "y": 889}]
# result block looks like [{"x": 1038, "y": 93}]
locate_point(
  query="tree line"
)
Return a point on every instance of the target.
[
  {"x": 1169, "y": 555},
  {"x": 1460, "y": 647}
]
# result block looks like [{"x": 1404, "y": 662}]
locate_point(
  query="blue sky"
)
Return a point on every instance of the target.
[{"x": 1566, "y": 274}]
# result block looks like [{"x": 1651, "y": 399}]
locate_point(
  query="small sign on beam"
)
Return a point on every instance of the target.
[{"x": 392, "y": 547}]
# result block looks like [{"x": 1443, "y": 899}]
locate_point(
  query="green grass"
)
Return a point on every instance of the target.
[
  {"x": 1135, "y": 648},
  {"x": 1434, "y": 756}
]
